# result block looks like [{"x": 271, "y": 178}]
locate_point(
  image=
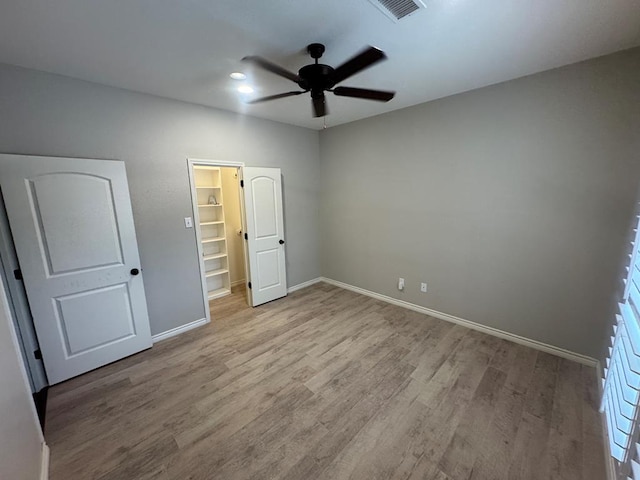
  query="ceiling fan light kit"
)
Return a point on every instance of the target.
[{"x": 318, "y": 78}]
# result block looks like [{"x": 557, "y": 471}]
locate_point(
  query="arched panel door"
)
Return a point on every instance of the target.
[
  {"x": 74, "y": 235},
  {"x": 265, "y": 234}
]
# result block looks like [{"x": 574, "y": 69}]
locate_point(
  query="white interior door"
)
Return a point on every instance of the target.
[
  {"x": 265, "y": 234},
  {"x": 73, "y": 230}
]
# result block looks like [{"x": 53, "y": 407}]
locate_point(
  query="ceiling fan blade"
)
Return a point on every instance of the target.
[
  {"x": 272, "y": 67},
  {"x": 378, "y": 95},
  {"x": 274, "y": 97},
  {"x": 363, "y": 60},
  {"x": 319, "y": 106}
]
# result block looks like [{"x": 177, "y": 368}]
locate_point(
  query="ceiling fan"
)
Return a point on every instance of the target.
[{"x": 318, "y": 78}]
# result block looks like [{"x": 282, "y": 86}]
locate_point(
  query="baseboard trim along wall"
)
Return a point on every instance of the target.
[
  {"x": 44, "y": 469},
  {"x": 178, "y": 330},
  {"x": 560, "y": 352},
  {"x": 304, "y": 285}
]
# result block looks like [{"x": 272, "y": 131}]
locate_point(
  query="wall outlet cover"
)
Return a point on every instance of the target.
[
  {"x": 423, "y": 287},
  {"x": 188, "y": 222}
]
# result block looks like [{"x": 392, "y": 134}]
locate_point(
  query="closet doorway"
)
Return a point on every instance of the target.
[
  {"x": 239, "y": 248},
  {"x": 219, "y": 227}
]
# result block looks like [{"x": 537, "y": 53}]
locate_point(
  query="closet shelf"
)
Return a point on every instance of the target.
[
  {"x": 208, "y": 186},
  {"x": 220, "y": 292},
  {"x": 213, "y": 239},
  {"x": 214, "y": 273},
  {"x": 214, "y": 256}
]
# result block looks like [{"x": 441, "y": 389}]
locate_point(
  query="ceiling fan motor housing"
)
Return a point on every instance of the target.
[{"x": 316, "y": 77}]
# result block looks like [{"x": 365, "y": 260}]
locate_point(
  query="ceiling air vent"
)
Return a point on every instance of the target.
[{"x": 398, "y": 9}]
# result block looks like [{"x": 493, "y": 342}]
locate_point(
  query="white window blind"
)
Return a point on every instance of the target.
[{"x": 621, "y": 397}]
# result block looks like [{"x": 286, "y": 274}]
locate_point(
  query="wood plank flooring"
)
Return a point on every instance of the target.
[{"x": 328, "y": 384}]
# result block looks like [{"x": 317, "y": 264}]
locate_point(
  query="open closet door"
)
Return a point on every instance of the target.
[
  {"x": 262, "y": 188},
  {"x": 73, "y": 230}
]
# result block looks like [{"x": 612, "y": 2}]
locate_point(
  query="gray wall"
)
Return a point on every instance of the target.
[
  {"x": 20, "y": 437},
  {"x": 513, "y": 201},
  {"x": 57, "y": 116}
]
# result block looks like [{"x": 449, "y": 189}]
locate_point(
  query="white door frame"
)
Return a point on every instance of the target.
[{"x": 191, "y": 162}]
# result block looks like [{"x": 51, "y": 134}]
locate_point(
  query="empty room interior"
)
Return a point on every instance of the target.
[{"x": 319, "y": 240}]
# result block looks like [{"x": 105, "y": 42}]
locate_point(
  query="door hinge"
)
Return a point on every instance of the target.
[
  {"x": 246, "y": 237},
  {"x": 18, "y": 274},
  {"x": 242, "y": 183},
  {"x": 38, "y": 354},
  {"x": 249, "y": 285}
]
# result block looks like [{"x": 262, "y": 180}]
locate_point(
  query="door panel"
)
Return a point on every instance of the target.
[
  {"x": 265, "y": 229},
  {"x": 268, "y": 268},
  {"x": 73, "y": 229},
  {"x": 110, "y": 324},
  {"x": 264, "y": 207},
  {"x": 88, "y": 201}
]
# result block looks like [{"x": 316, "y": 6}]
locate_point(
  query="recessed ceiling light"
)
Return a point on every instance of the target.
[
  {"x": 245, "y": 89},
  {"x": 238, "y": 76}
]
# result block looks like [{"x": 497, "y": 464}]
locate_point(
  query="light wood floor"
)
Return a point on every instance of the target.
[{"x": 328, "y": 384}]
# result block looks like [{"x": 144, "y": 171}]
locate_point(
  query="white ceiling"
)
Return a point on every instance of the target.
[{"x": 186, "y": 49}]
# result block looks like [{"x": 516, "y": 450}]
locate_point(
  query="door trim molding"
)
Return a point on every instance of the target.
[
  {"x": 512, "y": 337},
  {"x": 214, "y": 163},
  {"x": 179, "y": 330}
]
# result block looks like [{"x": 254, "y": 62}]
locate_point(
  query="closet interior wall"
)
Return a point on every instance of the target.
[{"x": 233, "y": 225}]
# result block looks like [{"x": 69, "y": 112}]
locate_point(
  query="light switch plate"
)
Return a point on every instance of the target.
[{"x": 188, "y": 222}]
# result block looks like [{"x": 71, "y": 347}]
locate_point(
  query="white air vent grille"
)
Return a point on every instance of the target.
[{"x": 398, "y": 9}]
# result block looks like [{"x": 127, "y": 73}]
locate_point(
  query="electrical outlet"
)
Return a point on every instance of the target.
[
  {"x": 401, "y": 284},
  {"x": 423, "y": 287},
  {"x": 188, "y": 222}
]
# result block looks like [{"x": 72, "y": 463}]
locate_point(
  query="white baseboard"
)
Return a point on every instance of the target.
[
  {"x": 560, "y": 352},
  {"x": 178, "y": 330},
  {"x": 304, "y": 285},
  {"x": 238, "y": 282},
  {"x": 44, "y": 469}
]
